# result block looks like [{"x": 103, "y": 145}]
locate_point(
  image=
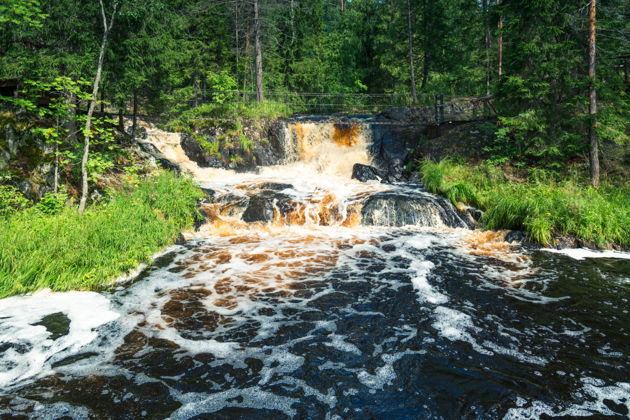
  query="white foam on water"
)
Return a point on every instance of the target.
[
  {"x": 383, "y": 375},
  {"x": 216, "y": 348},
  {"x": 426, "y": 293},
  {"x": 194, "y": 404},
  {"x": 338, "y": 343},
  {"x": 584, "y": 253},
  {"x": 32, "y": 350},
  {"x": 589, "y": 402}
]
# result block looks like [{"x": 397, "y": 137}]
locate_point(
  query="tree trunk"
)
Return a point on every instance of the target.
[
  {"x": 425, "y": 70},
  {"x": 134, "y": 117},
  {"x": 412, "y": 75},
  {"x": 260, "y": 97},
  {"x": 592, "y": 109},
  {"x": 500, "y": 45},
  {"x": 56, "y": 180},
  {"x": 236, "y": 41},
  {"x": 343, "y": 5},
  {"x": 121, "y": 121},
  {"x": 484, "y": 6},
  {"x": 71, "y": 123},
  {"x": 88, "y": 121}
]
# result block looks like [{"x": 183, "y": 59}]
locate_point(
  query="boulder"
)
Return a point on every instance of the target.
[
  {"x": 260, "y": 209},
  {"x": 274, "y": 186},
  {"x": 401, "y": 208},
  {"x": 366, "y": 173},
  {"x": 195, "y": 152}
]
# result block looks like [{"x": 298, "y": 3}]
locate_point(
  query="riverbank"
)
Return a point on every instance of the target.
[
  {"x": 66, "y": 250},
  {"x": 554, "y": 212}
]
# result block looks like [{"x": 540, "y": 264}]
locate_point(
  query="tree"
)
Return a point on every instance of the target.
[
  {"x": 260, "y": 97},
  {"x": 19, "y": 12},
  {"x": 107, "y": 27},
  {"x": 592, "y": 97},
  {"x": 412, "y": 75}
]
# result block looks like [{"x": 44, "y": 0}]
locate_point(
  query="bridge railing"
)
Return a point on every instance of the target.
[{"x": 320, "y": 102}]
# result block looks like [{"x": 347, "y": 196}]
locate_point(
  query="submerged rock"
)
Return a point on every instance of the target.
[
  {"x": 410, "y": 208},
  {"x": 57, "y": 324},
  {"x": 274, "y": 186},
  {"x": 366, "y": 173},
  {"x": 260, "y": 209}
]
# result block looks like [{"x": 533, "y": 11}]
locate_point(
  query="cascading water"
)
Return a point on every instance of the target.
[{"x": 309, "y": 295}]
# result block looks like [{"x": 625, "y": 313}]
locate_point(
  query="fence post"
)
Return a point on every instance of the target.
[{"x": 439, "y": 109}]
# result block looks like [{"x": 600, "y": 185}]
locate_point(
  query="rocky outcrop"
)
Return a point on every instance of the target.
[
  {"x": 366, "y": 173},
  {"x": 240, "y": 145},
  {"x": 402, "y": 208}
]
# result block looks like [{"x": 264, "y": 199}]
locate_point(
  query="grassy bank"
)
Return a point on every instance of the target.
[
  {"x": 67, "y": 251},
  {"x": 543, "y": 206}
]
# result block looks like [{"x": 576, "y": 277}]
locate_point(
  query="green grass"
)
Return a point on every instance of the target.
[
  {"x": 542, "y": 206},
  {"x": 71, "y": 251}
]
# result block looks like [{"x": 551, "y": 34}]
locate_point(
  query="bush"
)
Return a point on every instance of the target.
[
  {"x": 68, "y": 250},
  {"x": 11, "y": 200}
]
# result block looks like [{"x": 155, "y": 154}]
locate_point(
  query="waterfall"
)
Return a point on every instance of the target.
[{"x": 312, "y": 186}]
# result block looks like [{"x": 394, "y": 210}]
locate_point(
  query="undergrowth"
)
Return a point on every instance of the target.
[
  {"x": 66, "y": 250},
  {"x": 210, "y": 115},
  {"x": 542, "y": 206}
]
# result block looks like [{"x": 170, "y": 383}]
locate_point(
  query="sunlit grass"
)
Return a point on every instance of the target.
[
  {"x": 543, "y": 208},
  {"x": 72, "y": 251}
]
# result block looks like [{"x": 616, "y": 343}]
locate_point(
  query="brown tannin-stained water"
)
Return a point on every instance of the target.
[{"x": 309, "y": 295}]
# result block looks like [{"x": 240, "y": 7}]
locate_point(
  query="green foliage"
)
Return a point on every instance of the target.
[
  {"x": 52, "y": 203},
  {"x": 543, "y": 100},
  {"x": 544, "y": 206},
  {"x": 20, "y": 12},
  {"x": 66, "y": 250},
  {"x": 11, "y": 201}
]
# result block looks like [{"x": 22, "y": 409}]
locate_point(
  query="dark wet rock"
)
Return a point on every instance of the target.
[
  {"x": 410, "y": 208},
  {"x": 57, "y": 324},
  {"x": 267, "y": 144},
  {"x": 196, "y": 153},
  {"x": 516, "y": 236},
  {"x": 241, "y": 413},
  {"x": 210, "y": 193},
  {"x": 168, "y": 165},
  {"x": 73, "y": 359},
  {"x": 262, "y": 206},
  {"x": 473, "y": 215},
  {"x": 366, "y": 173},
  {"x": 149, "y": 148},
  {"x": 522, "y": 238},
  {"x": 260, "y": 209},
  {"x": 141, "y": 132},
  {"x": 111, "y": 397},
  {"x": 180, "y": 240},
  {"x": 274, "y": 186}
]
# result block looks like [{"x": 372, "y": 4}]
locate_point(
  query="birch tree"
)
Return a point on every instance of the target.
[{"x": 107, "y": 27}]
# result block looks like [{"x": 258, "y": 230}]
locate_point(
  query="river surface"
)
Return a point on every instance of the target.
[{"x": 315, "y": 315}]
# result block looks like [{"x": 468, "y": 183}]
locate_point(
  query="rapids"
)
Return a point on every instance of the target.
[{"x": 294, "y": 301}]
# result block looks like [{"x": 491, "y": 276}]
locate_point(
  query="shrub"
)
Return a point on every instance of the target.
[{"x": 11, "y": 200}]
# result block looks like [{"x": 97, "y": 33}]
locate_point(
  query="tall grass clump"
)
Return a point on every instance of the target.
[
  {"x": 68, "y": 250},
  {"x": 545, "y": 207}
]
